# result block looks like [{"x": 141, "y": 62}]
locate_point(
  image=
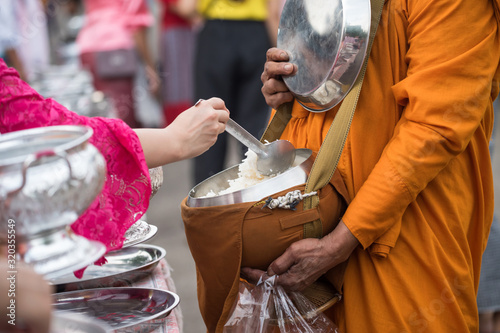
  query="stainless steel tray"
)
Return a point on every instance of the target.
[
  {"x": 70, "y": 322},
  {"x": 124, "y": 267},
  {"x": 118, "y": 307},
  {"x": 139, "y": 232}
]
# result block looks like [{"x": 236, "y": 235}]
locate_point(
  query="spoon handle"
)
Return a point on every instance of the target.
[{"x": 247, "y": 139}]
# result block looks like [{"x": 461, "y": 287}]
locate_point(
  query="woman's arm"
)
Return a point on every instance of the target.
[
  {"x": 274, "y": 8},
  {"x": 193, "y": 132}
]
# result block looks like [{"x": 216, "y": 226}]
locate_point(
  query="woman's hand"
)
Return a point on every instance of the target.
[
  {"x": 274, "y": 89},
  {"x": 192, "y": 133},
  {"x": 197, "y": 128},
  {"x": 306, "y": 260}
]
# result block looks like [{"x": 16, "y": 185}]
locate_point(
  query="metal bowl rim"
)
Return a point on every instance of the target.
[
  {"x": 85, "y": 131},
  {"x": 192, "y": 199},
  {"x": 175, "y": 303},
  {"x": 162, "y": 255},
  {"x": 153, "y": 230},
  {"x": 176, "y": 297}
]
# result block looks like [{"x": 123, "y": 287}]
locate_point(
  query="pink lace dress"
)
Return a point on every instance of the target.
[{"x": 127, "y": 189}]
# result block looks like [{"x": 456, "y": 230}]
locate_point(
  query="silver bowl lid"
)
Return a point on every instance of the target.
[
  {"x": 326, "y": 40},
  {"x": 15, "y": 147}
]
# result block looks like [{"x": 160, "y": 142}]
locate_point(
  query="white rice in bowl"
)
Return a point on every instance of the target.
[{"x": 247, "y": 176}]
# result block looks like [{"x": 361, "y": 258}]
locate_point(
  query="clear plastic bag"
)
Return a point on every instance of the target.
[{"x": 267, "y": 308}]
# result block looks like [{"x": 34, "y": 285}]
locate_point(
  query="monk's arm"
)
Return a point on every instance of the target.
[{"x": 445, "y": 96}]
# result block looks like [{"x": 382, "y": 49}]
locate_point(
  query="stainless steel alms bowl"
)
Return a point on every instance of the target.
[
  {"x": 327, "y": 41},
  {"x": 296, "y": 175},
  {"x": 48, "y": 177}
]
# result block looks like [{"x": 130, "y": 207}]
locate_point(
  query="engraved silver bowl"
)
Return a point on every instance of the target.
[
  {"x": 156, "y": 176},
  {"x": 48, "y": 177}
]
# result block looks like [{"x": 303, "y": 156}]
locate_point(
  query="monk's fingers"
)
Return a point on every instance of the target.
[
  {"x": 251, "y": 275},
  {"x": 275, "y": 54},
  {"x": 276, "y": 93},
  {"x": 276, "y": 70},
  {"x": 282, "y": 264},
  {"x": 274, "y": 86},
  {"x": 278, "y": 99},
  {"x": 294, "y": 280},
  {"x": 297, "y": 276}
]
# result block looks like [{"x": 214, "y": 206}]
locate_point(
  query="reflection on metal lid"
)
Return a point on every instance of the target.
[{"x": 326, "y": 40}]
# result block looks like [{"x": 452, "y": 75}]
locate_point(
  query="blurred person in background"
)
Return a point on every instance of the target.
[
  {"x": 229, "y": 57},
  {"x": 24, "y": 41},
  {"x": 34, "y": 46},
  {"x": 9, "y": 36},
  {"x": 113, "y": 32},
  {"x": 178, "y": 21}
]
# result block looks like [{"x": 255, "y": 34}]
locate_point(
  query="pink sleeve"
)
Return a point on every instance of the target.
[
  {"x": 127, "y": 189},
  {"x": 138, "y": 15}
]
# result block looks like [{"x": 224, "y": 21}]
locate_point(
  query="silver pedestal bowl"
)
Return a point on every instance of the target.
[{"x": 48, "y": 177}]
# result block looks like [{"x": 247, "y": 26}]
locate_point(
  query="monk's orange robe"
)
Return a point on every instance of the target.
[{"x": 417, "y": 168}]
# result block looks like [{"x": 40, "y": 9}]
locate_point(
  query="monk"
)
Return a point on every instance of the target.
[{"x": 417, "y": 169}]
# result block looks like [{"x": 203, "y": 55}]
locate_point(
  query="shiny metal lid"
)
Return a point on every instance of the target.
[{"x": 326, "y": 40}]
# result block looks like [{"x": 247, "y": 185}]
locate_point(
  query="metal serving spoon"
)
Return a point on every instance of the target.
[{"x": 272, "y": 158}]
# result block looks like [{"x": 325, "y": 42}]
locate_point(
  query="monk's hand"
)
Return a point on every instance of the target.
[
  {"x": 306, "y": 260},
  {"x": 274, "y": 89}
]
